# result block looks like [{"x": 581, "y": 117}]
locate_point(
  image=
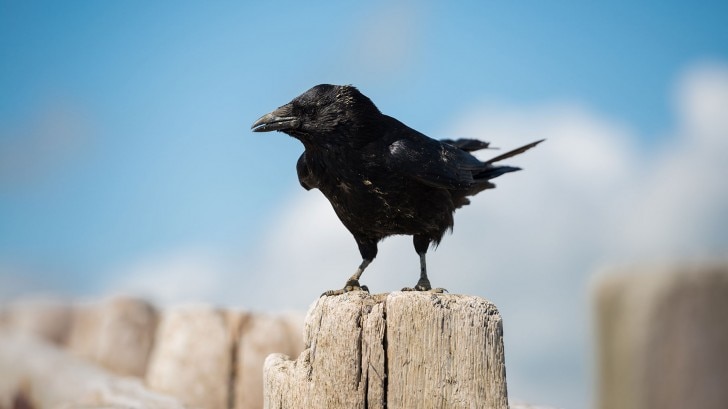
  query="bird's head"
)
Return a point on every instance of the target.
[{"x": 325, "y": 114}]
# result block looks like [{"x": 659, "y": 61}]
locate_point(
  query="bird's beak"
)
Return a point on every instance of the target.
[{"x": 278, "y": 120}]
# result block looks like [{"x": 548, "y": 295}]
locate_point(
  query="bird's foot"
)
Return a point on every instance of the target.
[
  {"x": 424, "y": 285},
  {"x": 438, "y": 290},
  {"x": 351, "y": 285}
]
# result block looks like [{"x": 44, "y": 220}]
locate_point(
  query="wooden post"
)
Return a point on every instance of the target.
[
  {"x": 662, "y": 337},
  {"x": 212, "y": 358},
  {"x": 193, "y": 355},
  {"x": 37, "y": 374},
  {"x": 260, "y": 335},
  {"x": 401, "y": 350},
  {"x": 116, "y": 333},
  {"x": 49, "y": 318}
]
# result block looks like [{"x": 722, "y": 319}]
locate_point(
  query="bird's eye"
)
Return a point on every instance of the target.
[{"x": 309, "y": 110}]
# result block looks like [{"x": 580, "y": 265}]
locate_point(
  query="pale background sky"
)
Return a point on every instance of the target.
[{"x": 127, "y": 164}]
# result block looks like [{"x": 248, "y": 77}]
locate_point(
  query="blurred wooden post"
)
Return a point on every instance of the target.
[
  {"x": 37, "y": 374},
  {"x": 193, "y": 355},
  {"x": 49, "y": 318},
  {"x": 402, "y": 350},
  {"x": 212, "y": 358},
  {"x": 260, "y": 335},
  {"x": 662, "y": 338},
  {"x": 117, "y": 333}
]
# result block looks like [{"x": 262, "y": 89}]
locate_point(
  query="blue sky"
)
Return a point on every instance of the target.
[
  {"x": 124, "y": 126},
  {"x": 166, "y": 93}
]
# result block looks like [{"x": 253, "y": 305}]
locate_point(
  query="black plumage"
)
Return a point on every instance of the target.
[{"x": 381, "y": 177}]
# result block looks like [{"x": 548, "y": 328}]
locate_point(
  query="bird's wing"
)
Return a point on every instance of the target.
[
  {"x": 433, "y": 163},
  {"x": 468, "y": 145},
  {"x": 305, "y": 177}
]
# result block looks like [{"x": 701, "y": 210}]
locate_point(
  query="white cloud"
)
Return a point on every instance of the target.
[
  {"x": 679, "y": 205},
  {"x": 188, "y": 275},
  {"x": 702, "y": 101}
]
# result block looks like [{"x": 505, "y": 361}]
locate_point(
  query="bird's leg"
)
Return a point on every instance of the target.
[
  {"x": 423, "y": 284},
  {"x": 368, "y": 251},
  {"x": 352, "y": 284}
]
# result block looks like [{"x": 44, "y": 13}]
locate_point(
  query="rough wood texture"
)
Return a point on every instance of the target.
[
  {"x": 117, "y": 333},
  {"x": 402, "y": 350},
  {"x": 662, "y": 338},
  {"x": 38, "y": 374}
]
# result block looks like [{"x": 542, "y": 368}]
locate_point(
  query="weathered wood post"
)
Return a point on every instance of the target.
[
  {"x": 398, "y": 350},
  {"x": 37, "y": 374},
  {"x": 193, "y": 357},
  {"x": 117, "y": 333},
  {"x": 211, "y": 358},
  {"x": 662, "y": 337}
]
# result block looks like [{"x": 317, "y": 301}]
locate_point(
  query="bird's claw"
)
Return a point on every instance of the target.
[
  {"x": 424, "y": 286},
  {"x": 351, "y": 285},
  {"x": 438, "y": 290}
]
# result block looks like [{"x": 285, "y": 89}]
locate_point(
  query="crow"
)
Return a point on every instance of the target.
[{"x": 382, "y": 177}]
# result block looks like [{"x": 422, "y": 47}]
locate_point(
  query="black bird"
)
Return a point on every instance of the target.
[{"x": 381, "y": 177}]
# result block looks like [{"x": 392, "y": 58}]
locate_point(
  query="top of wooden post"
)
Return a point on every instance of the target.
[{"x": 397, "y": 350}]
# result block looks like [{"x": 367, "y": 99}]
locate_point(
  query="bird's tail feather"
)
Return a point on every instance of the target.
[
  {"x": 495, "y": 171},
  {"x": 513, "y": 153}
]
